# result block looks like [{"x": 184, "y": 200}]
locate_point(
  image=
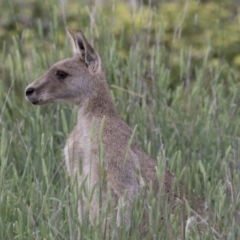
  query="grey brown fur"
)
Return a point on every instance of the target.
[{"x": 128, "y": 169}]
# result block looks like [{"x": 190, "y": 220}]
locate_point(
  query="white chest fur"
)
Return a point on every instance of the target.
[{"x": 78, "y": 152}]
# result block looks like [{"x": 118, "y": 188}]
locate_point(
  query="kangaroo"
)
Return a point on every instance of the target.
[{"x": 80, "y": 80}]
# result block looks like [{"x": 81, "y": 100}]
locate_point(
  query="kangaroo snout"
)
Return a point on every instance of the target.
[
  {"x": 29, "y": 91},
  {"x": 31, "y": 95}
]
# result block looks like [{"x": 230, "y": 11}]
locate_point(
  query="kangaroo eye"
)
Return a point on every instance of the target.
[{"x": 61, "y": 75}]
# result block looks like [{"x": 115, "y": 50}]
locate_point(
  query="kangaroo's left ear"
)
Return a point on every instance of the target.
[{"x": 82, "y": 47}]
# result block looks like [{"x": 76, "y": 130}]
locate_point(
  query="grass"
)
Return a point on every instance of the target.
[{"x": 192, "y": 128}]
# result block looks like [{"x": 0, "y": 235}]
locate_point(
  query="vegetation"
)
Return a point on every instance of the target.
[{"x": 173, "y": 69}]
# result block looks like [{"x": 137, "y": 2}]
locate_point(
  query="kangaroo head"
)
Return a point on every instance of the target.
[{"x": 72, "y": 79}]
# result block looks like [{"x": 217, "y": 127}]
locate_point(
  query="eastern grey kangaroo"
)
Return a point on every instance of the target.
[{"x": 80, "y": 80}]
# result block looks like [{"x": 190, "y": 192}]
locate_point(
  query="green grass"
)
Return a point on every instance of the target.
[{"x": 192, "y": 127}]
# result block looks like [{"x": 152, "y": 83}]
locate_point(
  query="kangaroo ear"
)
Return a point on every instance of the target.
[
  {"x": 82, "y": 47},
  {"x": 72, "y": 36}
]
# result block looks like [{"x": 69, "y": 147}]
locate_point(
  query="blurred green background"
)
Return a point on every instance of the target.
[{"x": 193, "y": 27}]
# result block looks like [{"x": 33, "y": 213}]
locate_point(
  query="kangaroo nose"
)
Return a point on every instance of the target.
[{"x": 29, "y": 91}]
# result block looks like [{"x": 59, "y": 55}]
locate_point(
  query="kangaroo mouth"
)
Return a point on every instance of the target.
[
  {"x": 35, "y": 102},
  {"x": 39, "y": 101}
]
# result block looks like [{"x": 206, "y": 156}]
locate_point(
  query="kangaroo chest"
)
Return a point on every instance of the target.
[{"x": 79, "y": 156}]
